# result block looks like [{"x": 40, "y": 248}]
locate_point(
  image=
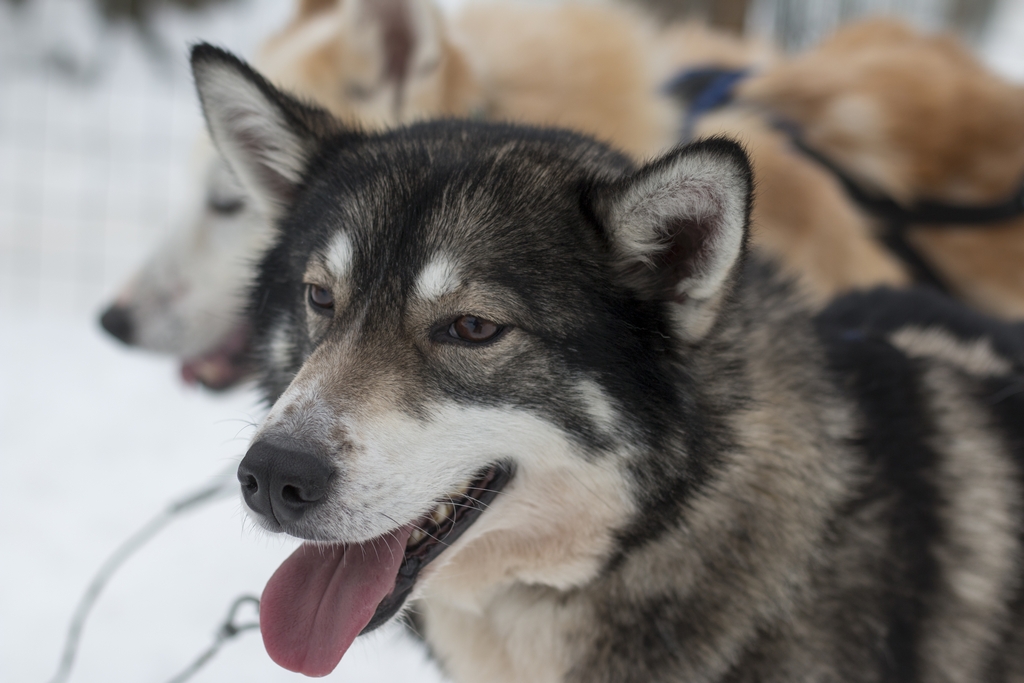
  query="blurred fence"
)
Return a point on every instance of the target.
[
  {"x": 98, "y": 119},
  {"x": 798, "y": 24},
  {"x": 97, "y": 124}
]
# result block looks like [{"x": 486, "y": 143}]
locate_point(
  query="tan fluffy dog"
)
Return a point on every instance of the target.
[
  {"x": 914, "y": 116},
  {"x": 597, "y": 68}
]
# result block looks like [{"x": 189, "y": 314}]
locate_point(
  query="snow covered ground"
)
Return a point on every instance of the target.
[{"x": 95, "y": 439}]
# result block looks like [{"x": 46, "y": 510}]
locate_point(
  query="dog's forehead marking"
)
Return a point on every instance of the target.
[
  {"x": 439, "y": 277},
  {"x": 338, "y": 256}
]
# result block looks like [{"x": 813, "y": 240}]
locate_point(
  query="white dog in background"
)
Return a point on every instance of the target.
[
  {"x": 378, "y": 63},
  {"x": 188, "y": 299}
]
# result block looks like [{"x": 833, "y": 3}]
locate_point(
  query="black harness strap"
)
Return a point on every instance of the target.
[
  {"x": 702, "y": 89},
  {"x": 932, "y": 213},
  {"x": 898, "y": 219},
  {"x": 895, "y": 239},
  {"x": 707, "y": 88}
]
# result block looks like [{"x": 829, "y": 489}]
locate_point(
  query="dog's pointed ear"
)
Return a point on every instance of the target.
[
  {"x": 404, "y": 38},
  {"x": 266, "y": 137},
  {"x": 678, "y": 229},
  {"x": 308, "y": 8}
]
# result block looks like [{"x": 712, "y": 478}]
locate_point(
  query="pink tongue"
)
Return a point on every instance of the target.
[
  {"x": 222, "y": 367},
  {"x": 319, "y": 599},
  {"x": 215, "y": 372}
]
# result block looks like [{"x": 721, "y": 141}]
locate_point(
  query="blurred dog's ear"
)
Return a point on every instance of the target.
[
  {"x": 404, "y": 37},
  {"x": 307, "y": 8},
  {"x": 267, "y": 138},
  {"x": 678, "y": 227}
]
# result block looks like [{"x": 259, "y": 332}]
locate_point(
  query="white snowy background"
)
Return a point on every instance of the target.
[{"x": 95, "y": 439}]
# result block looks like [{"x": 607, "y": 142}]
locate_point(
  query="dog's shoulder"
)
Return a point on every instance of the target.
[
  {"x": 883, "y": 311},
  {"x": 894, "y": 349}
]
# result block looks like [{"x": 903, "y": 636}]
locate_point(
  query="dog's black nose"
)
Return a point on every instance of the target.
[
  {"x": 282, "y": 484},
  {"x": 118, "y": 322}
]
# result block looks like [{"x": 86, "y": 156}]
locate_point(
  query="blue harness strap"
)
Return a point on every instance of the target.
[{"x": 702, "y": 89}]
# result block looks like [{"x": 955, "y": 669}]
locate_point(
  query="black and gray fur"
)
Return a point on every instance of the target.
[{"x": 798, "y": 499}]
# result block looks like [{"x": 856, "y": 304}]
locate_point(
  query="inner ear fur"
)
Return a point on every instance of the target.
[
  {"x": 267, "y": 137},
  {"x": 679, "y": 227}
]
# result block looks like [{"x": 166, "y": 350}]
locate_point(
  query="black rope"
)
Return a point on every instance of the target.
[
  {"x": 228, "y": 630},
  {"x": 923, "y": 273},
  {"x": 226, "y": 486}
]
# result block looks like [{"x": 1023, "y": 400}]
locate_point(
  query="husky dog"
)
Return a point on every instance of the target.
[
  {"x": 545, "y": 394},
  {"x": 685, "y": 477}
]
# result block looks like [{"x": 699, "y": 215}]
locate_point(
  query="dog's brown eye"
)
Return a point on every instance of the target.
[
  {"x": 320, "y": 297},
  {"x": 472, "y": 329}
]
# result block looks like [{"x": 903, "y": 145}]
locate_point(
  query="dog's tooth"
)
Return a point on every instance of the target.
[
  {"x": 464, "y": 489},
  {"x": 416, "y": 536},
  {"x": 438, "y": 515},
  {"x": 442, "y": 512}
]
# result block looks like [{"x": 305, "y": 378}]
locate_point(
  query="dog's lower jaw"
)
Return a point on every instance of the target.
[
  {"x": 223, "y": 366},
  {"x": 432, "y": 536}
]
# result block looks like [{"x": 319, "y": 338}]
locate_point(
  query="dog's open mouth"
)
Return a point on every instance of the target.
[
  {"x": 323, "y": 596},
  {"x": 223, "y": 366}
]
